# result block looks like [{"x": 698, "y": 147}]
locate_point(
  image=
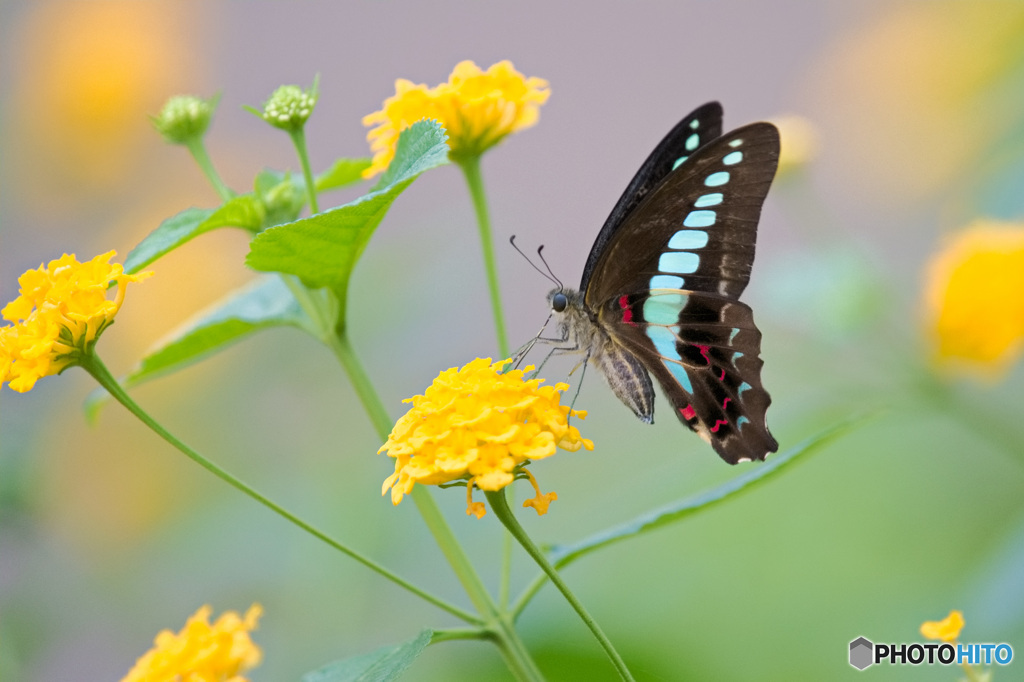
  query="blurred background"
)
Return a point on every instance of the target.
[{"x": 913, "y": 114}]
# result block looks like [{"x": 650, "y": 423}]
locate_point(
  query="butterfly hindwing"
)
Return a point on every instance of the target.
[
  {"x": 699, "y": 127},
  {"x": 707, "y": 362},
  {"x": 665, "y": 283}
]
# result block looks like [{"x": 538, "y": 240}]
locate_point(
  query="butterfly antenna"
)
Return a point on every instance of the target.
[
  {"x": 543, "y": 260},
  {"x": 512, "y": 241}
]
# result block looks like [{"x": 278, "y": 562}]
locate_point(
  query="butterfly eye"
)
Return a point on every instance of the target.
[{"x": 559, "y": 302}]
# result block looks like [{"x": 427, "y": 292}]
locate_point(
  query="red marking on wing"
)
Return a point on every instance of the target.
[
  {"x": 688, "y": 412},
  {"x": 722, "y": 378},
  {"x": 725, "y": 402},
  {"x": 718, "y": 423},
  {"x": 627, "y": 312},
  {"x": 704, "y": 350}
]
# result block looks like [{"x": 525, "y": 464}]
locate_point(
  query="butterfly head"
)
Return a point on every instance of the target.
[
  {"x": 562, "y": 299},
  {"x": 558, "y": 301}
]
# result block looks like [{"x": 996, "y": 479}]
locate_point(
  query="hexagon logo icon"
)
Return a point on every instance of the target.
[{"x": 861, "y": 650}]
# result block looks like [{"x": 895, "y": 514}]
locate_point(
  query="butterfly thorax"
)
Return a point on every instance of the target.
[{"x": 580, "y": 331}]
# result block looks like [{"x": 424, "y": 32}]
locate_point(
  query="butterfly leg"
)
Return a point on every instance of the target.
[
  {"x": 579, "y": 385},
  {"x": 528, "y": 346}
]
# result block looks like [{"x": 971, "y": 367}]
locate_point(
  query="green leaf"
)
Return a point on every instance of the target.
[
  {"x": 243, "y": 211},
  {"x": 561, "y": 555},
  {"x": 384, "y": 664},
  {"x": 262, "y": 304},
  {"x": 343, "y": 172},
  {"x": 323, "y": 249}
]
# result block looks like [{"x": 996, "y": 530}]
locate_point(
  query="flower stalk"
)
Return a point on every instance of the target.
[
  {"x": 298, "y": 136},
  {"x": 474, "y": 180},
  {"x": 197, "y": 148},
  {"x": 501, "y": 509}
]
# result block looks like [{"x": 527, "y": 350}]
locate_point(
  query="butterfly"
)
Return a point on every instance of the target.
[{"x": 661, "y": 286}]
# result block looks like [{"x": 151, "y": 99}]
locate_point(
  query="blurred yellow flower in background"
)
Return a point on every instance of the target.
[
  {"x": 479, "y": 425},
  {"x": 974, "y": 298},
  {"x": 477, "y": 108},
  {"x": 61, "y": 310},
  {"x": 945, "y": 630},
  {"x": 798, "y": 142},
  {"x": 90, "y": 74},
  {"x": 912, "y": 97},
  {"x": 202, "y": 652}
]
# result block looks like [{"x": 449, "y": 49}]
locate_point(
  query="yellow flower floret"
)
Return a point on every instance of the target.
[
  {"x": 945, "y": 630},
  {"x": 974, "y": 298},
  {"x": 60, "y": 312},
  {"x": 481, "y": 426},
  {"x": 202, "y": 652},
  {"x": 477, "y": 108}
]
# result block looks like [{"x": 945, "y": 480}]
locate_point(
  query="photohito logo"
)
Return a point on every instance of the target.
[{"x": 864, "y": 653}]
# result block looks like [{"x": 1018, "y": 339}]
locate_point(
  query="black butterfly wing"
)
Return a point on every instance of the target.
[
  {"x": 666, "y": 284},
  {"x": 702, "y": 125},
  {"x": 707, "y": 363}
]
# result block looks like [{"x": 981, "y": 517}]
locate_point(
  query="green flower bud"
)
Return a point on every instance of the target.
[
  {"x": 290, "y": 106},
  {"x": 184, "y": 118},
  {"x": 282, "y": 203}
]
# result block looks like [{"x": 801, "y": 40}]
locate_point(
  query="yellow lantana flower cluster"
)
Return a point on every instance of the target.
[
  {"x": 477, "y": 108},
  {"x": 202, "y": 652},
  {"x": 479, "y": 425},
  {"x": 60, "y": 312},
  {"x": 945, "y": 630},
  {"x": 974, "y": 297}
]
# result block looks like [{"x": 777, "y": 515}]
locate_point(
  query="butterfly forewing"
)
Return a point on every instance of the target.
[
  {"x": 700, "y": 127},
  {"x": 665, "y": 285},
  {"x": 699, "y": 225}
]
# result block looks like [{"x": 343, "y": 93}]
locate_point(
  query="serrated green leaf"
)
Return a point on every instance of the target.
[
  {"x": 382, "y": 665},
  {"x": 343, "y": 172},
  {"x": 243, "y": 211},
  {"x": 562, "y": 555},
  {"x": 421, "y": 146},
  {"x": 262, "y": 304},
  {"x": 323, "y": 249}
]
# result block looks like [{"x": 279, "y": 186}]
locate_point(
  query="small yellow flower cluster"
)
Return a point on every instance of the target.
[
  {"x": 202, "y": 652},
  {"x": 945, "y": 630},
  {"x": 477, "y": 108},
  {"x": 479, "y": 425},
  {"x": 60, "y": 312},
  {"x": 974, "y": 297}
]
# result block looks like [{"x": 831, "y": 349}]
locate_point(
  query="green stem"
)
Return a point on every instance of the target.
[
  {"x": 299, "y": 140},
  {"x": 471, "y": 168},
  {"x": 94, "y": 366},
  {"x": 198, "y": 149},
  {"x": 364, "y": 388},
  {"x": 512, "y": 648},
  {"x": 474, "y": 180},
  {"x": 529, "y": 593},
  {"x": 459, "y": 633},
  {"x": 499, "y": 506}
]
